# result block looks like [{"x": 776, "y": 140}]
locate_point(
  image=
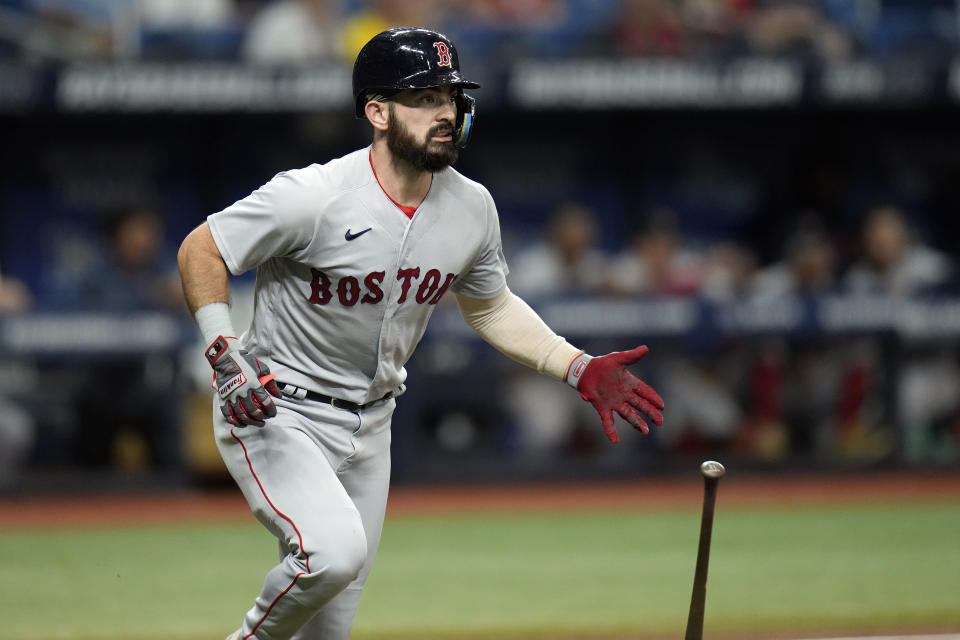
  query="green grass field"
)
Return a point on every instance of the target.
[{"x": 581, "y": 574}]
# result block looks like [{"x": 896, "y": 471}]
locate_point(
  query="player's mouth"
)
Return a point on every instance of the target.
[{"x": 442, "y": 134}]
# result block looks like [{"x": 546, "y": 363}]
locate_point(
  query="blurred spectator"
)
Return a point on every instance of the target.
[
  {"x": 701, "y": 389},
  {"x": 380, "y": 15},
  {"x": 911, "y": 27},
  {"x": 650, "y": 27},
  {"x": 792, "y": 386},
  {"x": 796, "y": 27},
  {"x": 567, "y": 261},
  {"x": 185, "y": 29},
  {"x": 896, "y": 264},
  {"x": 655, "y": 262},
  {"x": 714, "y": 25},
  {"x": 295, "y": 32},
  {"x": 525, "y": 22},
  {"x": 69, "y": 30},
  {"x": 134, "y": 270},
  {"x": 525, "y": 14},
  {"x": 17, "y": 428},
  {"x": 892, "y": 261},
  {"x": 728, "y": 269},
  {"x": 125, "y": 411},
  {"x": 929, "y": 405},
  {"x": 65, "y": 30},
  {"x": 14, "y": 296},
  {"x": 535, "y": 28},
  {"x": 184, "y": 14},
  {"x": 808, "y": 269}
]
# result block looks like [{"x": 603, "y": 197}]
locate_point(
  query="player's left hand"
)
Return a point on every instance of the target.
[
  {"x": 609, "y": 387},
  {"x": 244, "y": 383}
]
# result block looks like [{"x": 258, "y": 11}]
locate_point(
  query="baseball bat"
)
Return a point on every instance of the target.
[{"x": 711, "y": 471}]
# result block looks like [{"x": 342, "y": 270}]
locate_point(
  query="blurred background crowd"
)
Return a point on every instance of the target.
[
  {"x": 304, "y": 31},
  {"x": 706, "y": 218}
]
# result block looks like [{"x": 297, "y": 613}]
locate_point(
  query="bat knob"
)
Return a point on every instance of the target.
[{"x": 712, "y": 469}]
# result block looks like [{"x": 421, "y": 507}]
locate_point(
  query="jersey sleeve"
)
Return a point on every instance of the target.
[
  {"x": 487, "y": 276},
  {"x": 276, "y": 220}
]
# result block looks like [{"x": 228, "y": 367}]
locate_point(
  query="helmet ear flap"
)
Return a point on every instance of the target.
[{"x": 466, "y": 107}]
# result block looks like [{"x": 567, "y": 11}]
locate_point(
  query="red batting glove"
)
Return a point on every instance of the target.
[{"x": 605, "y": 383}]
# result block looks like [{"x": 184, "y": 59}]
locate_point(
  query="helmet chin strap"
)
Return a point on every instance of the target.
[{"x": 466, "y": 107}]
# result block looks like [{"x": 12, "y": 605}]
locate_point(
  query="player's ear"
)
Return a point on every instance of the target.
[{"x": 378, "y": 114}]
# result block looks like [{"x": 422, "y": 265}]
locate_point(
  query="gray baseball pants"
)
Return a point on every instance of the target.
[{"x": 317, "y": 478}]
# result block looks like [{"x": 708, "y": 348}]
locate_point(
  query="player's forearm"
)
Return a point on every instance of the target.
[
  {"x": 514, "y": 329},
  {"x": 202, "y": 270}
]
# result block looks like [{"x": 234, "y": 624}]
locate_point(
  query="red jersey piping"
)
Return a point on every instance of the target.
[{"x": 408, "y": 211}]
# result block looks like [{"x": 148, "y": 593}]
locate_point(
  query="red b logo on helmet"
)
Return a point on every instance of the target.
[{"x": 443, "y": 53}]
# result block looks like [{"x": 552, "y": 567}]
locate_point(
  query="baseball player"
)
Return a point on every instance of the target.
[{"x": 352, "y": 257}]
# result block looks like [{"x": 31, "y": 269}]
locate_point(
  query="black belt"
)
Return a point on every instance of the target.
[{"x": 293, "y": 391}]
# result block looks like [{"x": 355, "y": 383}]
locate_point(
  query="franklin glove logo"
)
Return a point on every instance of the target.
[{"x": 231, "y": 385}]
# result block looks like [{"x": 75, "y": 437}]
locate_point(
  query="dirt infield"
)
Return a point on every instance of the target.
[{"x": 226, "y": 505}]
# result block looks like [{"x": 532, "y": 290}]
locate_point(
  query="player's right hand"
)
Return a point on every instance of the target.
[
  {"x": 244, "y": 383},
  {"x": 611, "y": 388}
]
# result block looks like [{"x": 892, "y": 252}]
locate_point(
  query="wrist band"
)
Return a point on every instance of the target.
[
  {"x": 576, "y": 369},
  {"x": 214, "y": 321}
]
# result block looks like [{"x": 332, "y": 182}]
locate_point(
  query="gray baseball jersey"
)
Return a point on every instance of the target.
[{"x": 345, "y": 281}]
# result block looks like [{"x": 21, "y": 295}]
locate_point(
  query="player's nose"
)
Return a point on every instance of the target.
[
  {"x": 447, "y": 115},
  {"x": 447, "y": 111}
]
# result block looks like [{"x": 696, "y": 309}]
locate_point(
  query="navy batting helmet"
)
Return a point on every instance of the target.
[{"x": 412, "y": 58}]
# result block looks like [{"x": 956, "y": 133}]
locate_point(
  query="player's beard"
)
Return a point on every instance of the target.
[{"x": 427, "y": 155}]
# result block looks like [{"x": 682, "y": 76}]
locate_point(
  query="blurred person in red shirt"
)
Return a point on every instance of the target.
[{"x": 650, "y": 28}]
